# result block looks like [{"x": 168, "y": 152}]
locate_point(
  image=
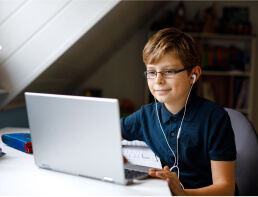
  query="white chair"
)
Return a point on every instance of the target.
[{"x": 246, "y": 164}]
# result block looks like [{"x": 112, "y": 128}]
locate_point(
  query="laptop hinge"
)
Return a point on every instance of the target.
[
  {"x": 46, "y": 166},
  {"x": 108, "y": 179}
]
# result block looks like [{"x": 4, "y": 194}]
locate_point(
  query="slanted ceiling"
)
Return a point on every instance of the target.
[{"x": 92, "y": 50}]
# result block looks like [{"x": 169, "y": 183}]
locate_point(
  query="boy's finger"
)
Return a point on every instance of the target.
[
  {"x": 153, "y": 172},
  {"x": 166, "y": 168},
  {"x": 125, "y": 160}
]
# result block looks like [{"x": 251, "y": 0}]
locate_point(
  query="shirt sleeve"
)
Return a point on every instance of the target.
[
  {"x": 131, "y": 127},
  {"x": 221, "y": 138}
]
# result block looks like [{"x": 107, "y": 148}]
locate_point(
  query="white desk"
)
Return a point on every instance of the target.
[{"x": 20, "y": 176}]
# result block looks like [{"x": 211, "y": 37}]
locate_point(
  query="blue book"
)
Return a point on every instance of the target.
[{"x": 20, "y": 141}]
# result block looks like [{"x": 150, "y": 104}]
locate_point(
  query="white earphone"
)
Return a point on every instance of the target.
[{"x": 194, "y": 77}]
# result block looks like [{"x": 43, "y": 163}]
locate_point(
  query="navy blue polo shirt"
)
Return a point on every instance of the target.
[{"x": 206, "y": 134}]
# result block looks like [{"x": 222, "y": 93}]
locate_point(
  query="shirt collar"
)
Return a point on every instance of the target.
[{"x": 191, "y": 109}]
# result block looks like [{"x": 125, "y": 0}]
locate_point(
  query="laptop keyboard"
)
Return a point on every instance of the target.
[{"x": 131, "y": 174}]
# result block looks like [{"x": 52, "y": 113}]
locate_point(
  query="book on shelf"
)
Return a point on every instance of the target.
[{"x": 221, "y": 58}]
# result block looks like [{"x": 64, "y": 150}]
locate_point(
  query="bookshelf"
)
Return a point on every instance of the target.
[{"x": 228, "y": 70}]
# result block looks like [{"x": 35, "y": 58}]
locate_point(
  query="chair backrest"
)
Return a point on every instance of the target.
[{"x": 246, "y": 164}]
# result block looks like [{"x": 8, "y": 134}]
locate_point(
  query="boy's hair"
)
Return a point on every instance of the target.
[{"x": 171, "y": 39}]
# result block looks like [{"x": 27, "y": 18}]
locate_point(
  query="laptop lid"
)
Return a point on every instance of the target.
[{"x": 76, "y": 135}]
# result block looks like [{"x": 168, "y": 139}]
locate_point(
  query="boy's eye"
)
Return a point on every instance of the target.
[
  {"x": 152, "y": 72},
  {"x": 168, "y": 72}
]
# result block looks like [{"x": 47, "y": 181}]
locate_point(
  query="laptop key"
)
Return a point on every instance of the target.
[{"x": 131, "y": 174}]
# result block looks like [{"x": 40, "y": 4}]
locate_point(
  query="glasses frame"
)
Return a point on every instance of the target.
[{"x": 162, "y": 72}]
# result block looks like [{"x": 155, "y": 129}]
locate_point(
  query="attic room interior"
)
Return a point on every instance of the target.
[
  {"x": 96, "y": 50},
  {"x": 87, "y": 55}
]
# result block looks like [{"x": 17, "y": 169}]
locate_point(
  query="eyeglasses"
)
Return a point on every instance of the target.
[{"x": 169, "y": 73}]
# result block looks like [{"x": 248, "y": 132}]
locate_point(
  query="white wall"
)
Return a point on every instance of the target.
[
  {"x": 121, "y": 77},
  {"x": 33, "y": 34}
]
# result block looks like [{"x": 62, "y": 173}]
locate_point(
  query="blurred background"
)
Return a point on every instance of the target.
[{"x": 94, "y": 48}]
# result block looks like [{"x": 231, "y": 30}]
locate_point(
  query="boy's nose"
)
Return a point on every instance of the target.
[{"x": 159, "y": 78}]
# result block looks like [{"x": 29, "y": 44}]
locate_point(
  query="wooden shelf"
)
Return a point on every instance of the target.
[
  {"x": 226, "y": 73},
  {"x": 233, "y": 88}
]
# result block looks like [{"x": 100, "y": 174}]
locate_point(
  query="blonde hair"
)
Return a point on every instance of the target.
[{"x": 171, "y": 39}]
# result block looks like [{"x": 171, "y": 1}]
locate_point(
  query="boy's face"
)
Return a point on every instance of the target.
[{"x": 170, "y": 91}]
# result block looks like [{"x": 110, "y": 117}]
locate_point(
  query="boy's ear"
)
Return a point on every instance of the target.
[{"x": 196, "y": 74}]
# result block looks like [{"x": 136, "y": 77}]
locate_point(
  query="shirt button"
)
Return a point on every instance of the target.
[
  {"x": 172, "y": 134},
  {"x": 175, "y": 119}
]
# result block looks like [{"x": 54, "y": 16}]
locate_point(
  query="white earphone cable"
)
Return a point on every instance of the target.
[
  {"x": 179, "y": 131},
  {"x": 164, "y": 133},
  {"x": 178, "y": 135}
]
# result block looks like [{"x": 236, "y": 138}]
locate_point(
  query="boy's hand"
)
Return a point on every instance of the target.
[
  {"x": 125, "y": 160},
  {"x": 170, "y": 177}
]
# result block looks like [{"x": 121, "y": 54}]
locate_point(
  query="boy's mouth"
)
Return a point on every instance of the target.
[{"x": 162, "y": 91}]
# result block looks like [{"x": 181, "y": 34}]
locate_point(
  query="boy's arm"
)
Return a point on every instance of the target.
[{"x": 222, "y": 176}]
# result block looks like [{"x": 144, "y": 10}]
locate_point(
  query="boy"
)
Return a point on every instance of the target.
[{"x": 192, "y": 136}]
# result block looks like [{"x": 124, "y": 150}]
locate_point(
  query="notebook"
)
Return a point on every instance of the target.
[{"x": 78, "y": 135}]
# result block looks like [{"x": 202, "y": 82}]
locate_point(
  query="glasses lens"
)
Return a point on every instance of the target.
[
  {"x": 168, "y": 73},
  {"x": 150, "y": 74}
]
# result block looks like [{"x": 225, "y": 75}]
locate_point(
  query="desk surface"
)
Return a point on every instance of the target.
[{"x": 20, "y": 176}]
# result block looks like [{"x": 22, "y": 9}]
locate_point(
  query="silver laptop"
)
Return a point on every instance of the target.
[{"x": 78, "y": 135}]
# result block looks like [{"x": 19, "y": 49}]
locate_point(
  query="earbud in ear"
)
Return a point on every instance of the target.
[{"x": 194, "y": 77}]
